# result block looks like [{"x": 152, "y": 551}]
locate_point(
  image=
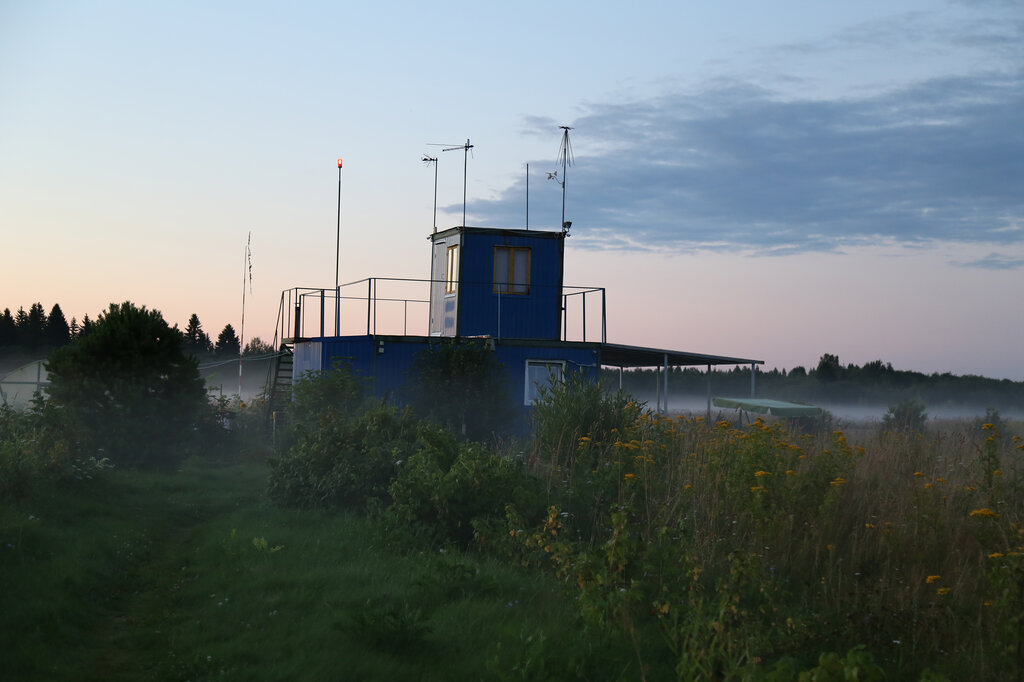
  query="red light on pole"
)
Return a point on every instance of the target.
[{"x": 339, "y": 163}]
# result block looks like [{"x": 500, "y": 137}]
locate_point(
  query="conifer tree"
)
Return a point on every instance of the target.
[
  {"x": 228, "y": 344},
  {"x": 86, "y": 327},
  {"x": 35, "y": 327},
  {"x": 197, "y": 342},
  {"x": 8, "y": 330},
  {"x": 58, "y": 332}
]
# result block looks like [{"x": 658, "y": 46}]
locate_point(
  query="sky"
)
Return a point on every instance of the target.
[{"x": 772, "y": 181}]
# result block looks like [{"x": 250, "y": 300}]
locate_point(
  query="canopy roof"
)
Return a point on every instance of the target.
[
  {"x": 618, "y": 355},
  {"x": 775, "y": 408}
]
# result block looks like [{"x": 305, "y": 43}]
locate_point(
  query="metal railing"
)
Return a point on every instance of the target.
[{"x": 381, "y": 305}]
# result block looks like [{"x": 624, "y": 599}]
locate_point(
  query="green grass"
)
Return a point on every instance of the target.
[{"x": 192, "y": 575}]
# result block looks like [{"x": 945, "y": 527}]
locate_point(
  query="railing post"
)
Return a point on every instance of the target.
[
  {"x": 322, "y": 313},
  {"x": 369, "y": 293},
  {"x": 584, "y": 316},
  {"x": 298, "y": 318},
  {"x": 604, "y": 320}
]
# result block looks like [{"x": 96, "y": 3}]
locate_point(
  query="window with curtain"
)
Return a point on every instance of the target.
[{"x": 511, "y": 270}]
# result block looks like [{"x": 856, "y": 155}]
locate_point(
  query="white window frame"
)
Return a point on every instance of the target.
[
  {"x": 451, "y": 269},
  {"x": 513, "y": 259},
  {"x": 556, "y": 372}
]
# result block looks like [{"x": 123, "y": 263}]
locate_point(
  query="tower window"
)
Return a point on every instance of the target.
[
  {"x": 451, "y": 269},
  {"x": 511, "y": 270}
]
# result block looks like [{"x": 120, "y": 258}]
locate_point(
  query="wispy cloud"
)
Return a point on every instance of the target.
[{"x": 734, "y": 166}]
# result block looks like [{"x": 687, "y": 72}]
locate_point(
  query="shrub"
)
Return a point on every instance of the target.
[
  {"x": 345, "y": 462},
  {"x": 454, "y": 491},
  {"x": 127, "y": 390},
  {"x": 907, "y": 416},
  {"x": 477, "y": 402}
]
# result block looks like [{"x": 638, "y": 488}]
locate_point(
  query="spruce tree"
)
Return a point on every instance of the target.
[
  {"x": 8, "y": 330},
  {"x": 228, "y": 344},
  {"x": 86, "y": 327},
  {"x": 58, "y": 332},
  {"x": 35, "y": 328}
]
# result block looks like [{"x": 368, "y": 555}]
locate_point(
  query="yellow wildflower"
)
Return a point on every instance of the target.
[
  {"x": 932, "y": 578},
  {"x": 629, "y": 477},
  {"x": 869, "y": 525},
  {"x": 790, "y": 472},
  {"x": 758, "y": 488},
  {"x": 759, "y": 474},
  {"x": 996, "y": 555},
  {"x": 919, "y": 474},
  {"x": 837, "y": 482},
  {"x": 986, "y": 512},
  {"x": 943, "y": 591},
  {"x": 830, "y": 548}
]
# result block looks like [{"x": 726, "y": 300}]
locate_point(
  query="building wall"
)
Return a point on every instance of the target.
[
  {"x": 479, "y": 309},
  {"x": 385, "y": 361}
]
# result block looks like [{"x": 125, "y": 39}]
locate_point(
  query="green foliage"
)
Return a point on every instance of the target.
[
  {"x": 35, "y": 451},
  {"x": 456, "y": 492},
  {"x": 460, "y": 384},
  {"x": 858, "y": 665},
  {"x": 345, "y": 462},
  {"x": 127, "y": 391},
  {"x": 907, "y": 416},
  {"x": 571, "y": 409}
]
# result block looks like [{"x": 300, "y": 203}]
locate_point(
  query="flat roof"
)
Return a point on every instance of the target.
[{"x": 618, "y": 355}]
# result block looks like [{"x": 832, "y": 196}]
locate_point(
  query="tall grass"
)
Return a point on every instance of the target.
[{"x": 748, "y": 548}]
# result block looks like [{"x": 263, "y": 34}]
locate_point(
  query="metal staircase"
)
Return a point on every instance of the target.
[{"x": 279, "y": 383}]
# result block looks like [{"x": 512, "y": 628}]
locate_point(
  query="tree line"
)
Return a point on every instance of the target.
[
  {"x": 875, "y": 382},
  {"x": 35, "y": 331}
]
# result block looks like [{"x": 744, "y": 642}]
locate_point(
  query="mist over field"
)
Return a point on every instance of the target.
[{"x": 697, "y": 405}]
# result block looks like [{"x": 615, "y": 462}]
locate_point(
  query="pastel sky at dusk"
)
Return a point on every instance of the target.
[{"x": 765, "y": 180}]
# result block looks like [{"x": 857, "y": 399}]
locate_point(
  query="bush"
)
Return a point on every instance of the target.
[
  {"x": 127, "y": 390},
  {"x": 906, "y": 416},
  {"x": 477, "y": 402},
  {"x": 450, "y": 491},
  {"x": 345, "y": 462}
]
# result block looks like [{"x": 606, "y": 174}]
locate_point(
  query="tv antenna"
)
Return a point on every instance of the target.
[
  {"x": 565, "y": 156},
  {"x": 427, "y": 160},
  {"x": 465, "y": 163}
]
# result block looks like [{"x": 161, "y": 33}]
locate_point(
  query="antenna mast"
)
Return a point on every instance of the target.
[
  {"x": 465, "y": 162},
  {"x": 565, "y": 156},
  {"x": 433, "y": 160}
]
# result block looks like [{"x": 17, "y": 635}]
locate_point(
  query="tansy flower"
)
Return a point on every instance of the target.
[
  {"x": 943, "y": 591},
  {"x": 629, "y": 477},
  {"x": 932, "y": 578},
  {"x": 759, "y": 474},
  {"x": 918, "y": 474},
  {"x": 996, "y": 555},
  {"x": 985, "y": 511}
]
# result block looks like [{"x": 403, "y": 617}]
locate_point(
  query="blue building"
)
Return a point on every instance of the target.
[{"x": 501, "y": 287}]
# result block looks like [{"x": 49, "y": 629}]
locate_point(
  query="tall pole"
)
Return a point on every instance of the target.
[
  {"x": 337, "y": 264},
  {"x": 565, "y": 151},
  {"x": 527, "y": 196},
  {"x": 465, "y": 165},
  {"x": 433, "y": 160}
]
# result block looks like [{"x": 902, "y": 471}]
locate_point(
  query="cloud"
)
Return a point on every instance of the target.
[
  {"x": 735, "y": 166},
  {"x": 993, "y": 261}
]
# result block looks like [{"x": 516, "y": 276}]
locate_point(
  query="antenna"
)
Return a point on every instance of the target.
[
  {"x": 565, "y": 156},
  {"x": 465, "y": 161},
  {"x": 427, "y": 160}
]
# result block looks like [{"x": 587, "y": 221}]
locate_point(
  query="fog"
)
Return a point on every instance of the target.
[{"x": 694, "y": 405}]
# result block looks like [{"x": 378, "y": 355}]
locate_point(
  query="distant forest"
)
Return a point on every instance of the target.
[
  {"x": 34, "y": 333},
  {"x": 874, "y": 383}
]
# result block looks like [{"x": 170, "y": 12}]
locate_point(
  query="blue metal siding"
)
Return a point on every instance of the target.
[
  {"x": 536, "y": 315},
  {"x": 385, "y": 361}
]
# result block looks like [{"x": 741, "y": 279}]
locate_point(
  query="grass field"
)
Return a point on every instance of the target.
[{"x": 192, "y": 575}]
